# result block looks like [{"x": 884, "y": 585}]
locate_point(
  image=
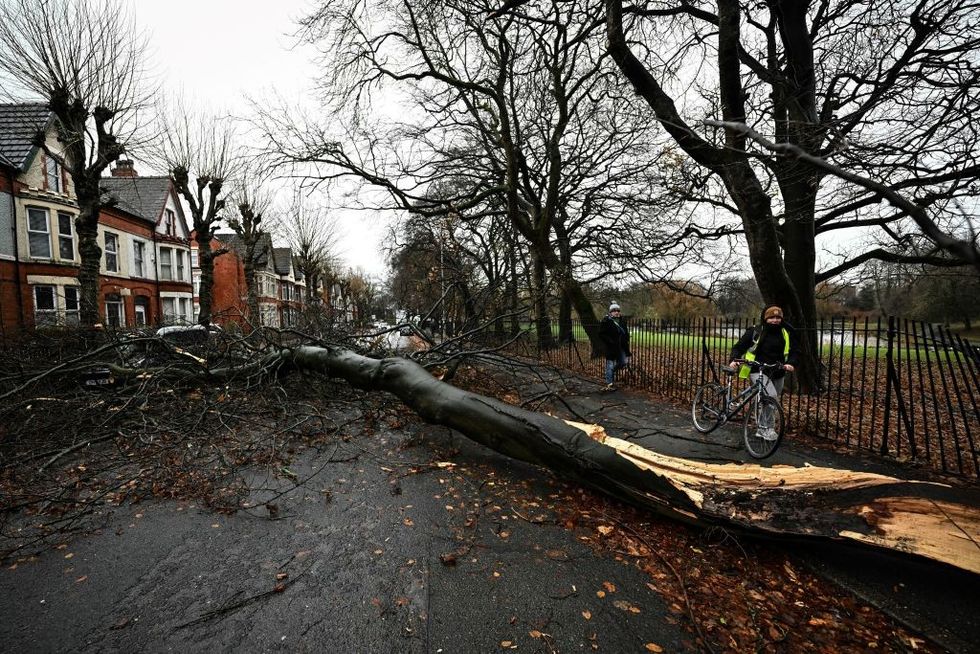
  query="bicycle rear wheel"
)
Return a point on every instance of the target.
[
  {"x": 708, "y": 409},
  {"x": 763, "y": 427}
]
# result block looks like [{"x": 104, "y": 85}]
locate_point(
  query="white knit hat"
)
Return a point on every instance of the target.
[{"x": 613, "y": 307}]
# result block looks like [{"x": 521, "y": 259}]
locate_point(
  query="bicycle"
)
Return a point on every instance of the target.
[{"x": 762, "y": 427}]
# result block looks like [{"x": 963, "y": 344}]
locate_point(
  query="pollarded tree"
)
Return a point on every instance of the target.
[
  {"x": 85, "y": 59},
  {"x": 253, "y": 201},
  {"x": 201, "y": 155}
]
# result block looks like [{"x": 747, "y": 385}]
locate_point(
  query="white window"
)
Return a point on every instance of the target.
[
  {"x": 139, "y": 259},
  {"x": 197, "y": 284},
  {"x": 166, "y": 264},
  {"x": 180, "y": 265},
  {"x": 38, "y": 236},
  {"x": 72, "y": 305},
  {"x": 114, "y": 311},
  {"x": 194, "y": 260},
  {"x": 45, "y": 305},
  {"x": 66, "y": 237},
  {"x": 52, "y": 174},
  {"x": 170, "y": 222},
  {"x": 111, "y": 252},
  {"x": 177, "y": 309}
]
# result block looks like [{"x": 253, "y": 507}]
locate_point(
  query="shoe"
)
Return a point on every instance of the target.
[{"x": 608, "y": 387}]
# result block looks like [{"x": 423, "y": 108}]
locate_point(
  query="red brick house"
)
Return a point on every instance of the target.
[
  {"x": 150, "y": 280},
  {"x": 39, "y": 258},
  {"x": 280, "y": 293}
]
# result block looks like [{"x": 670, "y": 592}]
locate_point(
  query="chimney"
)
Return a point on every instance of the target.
[{"x": 124, "y": 168}]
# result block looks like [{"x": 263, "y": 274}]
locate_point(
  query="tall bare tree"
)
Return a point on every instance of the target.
[
  {"x": 518, "y": 119},
  {"x": 200, "y": 152},
  {"x": 85, "y": 58},
  {"x": 887, "y": 89}
]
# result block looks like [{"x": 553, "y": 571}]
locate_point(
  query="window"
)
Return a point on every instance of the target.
[
  {"x": 111, "y": 252},
  {"x": 170, "y": 222},
  {"x": 197, "y": 284},
  {"x": 139, "y": 259},
  {"x": 114, "y": 311},
  {"x": 38, "y": 237},
  {"x": 66, "y": 238},
  {"x": 180, "y": 265},
  {"x": 176, "y": 309},
  {"x": 45, "y": 305},
  {"x": 166, "y": 264},
  {"x": 72, "y": 306},
  {"x": 141, "y": 307},
  {"x": 194, "y": 261},
  {"x": 52, "y": 174}
]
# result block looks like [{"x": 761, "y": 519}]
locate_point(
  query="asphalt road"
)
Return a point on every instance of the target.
[
  {"x": 372, "y": 553},
  {"x": 382, "y": 549}
]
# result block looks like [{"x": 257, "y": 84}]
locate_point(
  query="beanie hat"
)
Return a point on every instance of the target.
[
  {"x": 613, "y": 307},
  {"x": 773, "y": 312}
]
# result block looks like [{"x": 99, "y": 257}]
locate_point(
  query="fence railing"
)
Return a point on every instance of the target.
[{"x": 900, "y": 388}]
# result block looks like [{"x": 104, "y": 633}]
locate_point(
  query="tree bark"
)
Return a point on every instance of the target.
[{"x": 928, "y": 520}]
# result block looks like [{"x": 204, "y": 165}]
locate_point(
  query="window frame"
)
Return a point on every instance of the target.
[
  {"x": 66, "y": 238},
  {"x": 179, "y": 264},
  {"x": 139, "y": 258},
  {"x": 166, "y": 264},
  {"x": 53, "y": 174},
  {"x": 115, "y": 300},
  {"x": 114, "y": 251},
  {"x": 31, "y": 232},
  {"x": 45, "y": 316}
]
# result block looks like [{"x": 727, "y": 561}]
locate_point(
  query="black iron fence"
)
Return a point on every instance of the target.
[{"x": 900, "y": 388}]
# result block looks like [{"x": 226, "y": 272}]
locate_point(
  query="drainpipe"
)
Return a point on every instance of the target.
[
  {"x": 156, "y": 276},
  {"x": 17, "y": 284}
]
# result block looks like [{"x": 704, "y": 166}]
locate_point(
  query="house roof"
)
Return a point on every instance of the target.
[
  {"x": 143, "y": 197},
  {"x": 19, "y": 124}
]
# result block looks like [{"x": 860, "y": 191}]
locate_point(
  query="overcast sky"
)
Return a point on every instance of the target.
[{"x": 220, "y": 52}]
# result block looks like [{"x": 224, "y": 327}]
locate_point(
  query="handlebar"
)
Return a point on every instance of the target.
[{"x": 776, "y": 366}]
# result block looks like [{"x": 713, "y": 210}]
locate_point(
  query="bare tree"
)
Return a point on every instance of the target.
[
  {"x": 201, "y": 154},
  {"x": 826, "y": 78},
  {"x": 513, "y": 123},
  {"x": 85, "y": 58},
  {"x": 254, "y": 201},
  {"x": 312, "y": 234}
]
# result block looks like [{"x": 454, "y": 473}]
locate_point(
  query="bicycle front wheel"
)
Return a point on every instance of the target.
[
  {"x": 762, "y": 429},
  {"x": 708, "y": 409}
]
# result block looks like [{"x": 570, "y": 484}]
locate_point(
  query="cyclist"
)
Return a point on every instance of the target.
[
  {"x": 771, "y": 342},
  {"x": 615, "y": 337}
]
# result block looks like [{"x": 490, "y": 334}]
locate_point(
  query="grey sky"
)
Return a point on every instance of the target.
[{"x": 218, "y": 53}]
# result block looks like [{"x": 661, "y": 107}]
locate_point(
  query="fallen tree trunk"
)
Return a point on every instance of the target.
[{"x": 930, "y": 520}]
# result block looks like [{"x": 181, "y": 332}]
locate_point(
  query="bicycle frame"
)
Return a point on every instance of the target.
[{"x": 746, "y": 395}]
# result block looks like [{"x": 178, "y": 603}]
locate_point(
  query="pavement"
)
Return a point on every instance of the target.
[{"x": 413, "y": 540}]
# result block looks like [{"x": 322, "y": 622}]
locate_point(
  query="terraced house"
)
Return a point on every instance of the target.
[{"x": 145, "y": 271}]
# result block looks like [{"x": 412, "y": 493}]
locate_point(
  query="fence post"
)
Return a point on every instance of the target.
[{"x": 889, "y": 374}]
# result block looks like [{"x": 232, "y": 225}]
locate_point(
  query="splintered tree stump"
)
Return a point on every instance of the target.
[{"x": 925, "y": 519}]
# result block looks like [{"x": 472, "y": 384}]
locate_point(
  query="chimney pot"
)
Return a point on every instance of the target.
[{"x": 124, "y": 168}]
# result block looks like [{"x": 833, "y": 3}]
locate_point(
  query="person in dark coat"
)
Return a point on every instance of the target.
[
  {"x": 615, "y": 337},
  {"x": 772, "y": 342}
]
